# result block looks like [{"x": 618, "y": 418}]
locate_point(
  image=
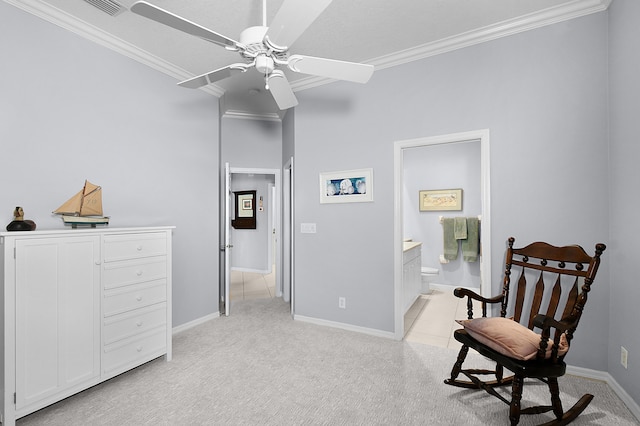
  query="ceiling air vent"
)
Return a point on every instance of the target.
[{"x": 109, "y": 7}]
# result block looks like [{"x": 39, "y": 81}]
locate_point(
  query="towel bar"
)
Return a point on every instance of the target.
[{"x": 441, "y": 218}]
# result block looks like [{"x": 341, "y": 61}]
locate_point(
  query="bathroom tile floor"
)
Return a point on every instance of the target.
[
  {"x": 431, "y": 319},
  {"x": 252, "y": 285}
]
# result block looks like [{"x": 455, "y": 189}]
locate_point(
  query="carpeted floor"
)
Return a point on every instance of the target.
[{"x": 259, "y": 367}]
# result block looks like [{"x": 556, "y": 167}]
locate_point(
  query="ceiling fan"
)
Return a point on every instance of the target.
[{"x": 265, "y": 48}]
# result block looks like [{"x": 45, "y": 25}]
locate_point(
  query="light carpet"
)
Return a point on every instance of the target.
[{"x": 259, "y": 367}]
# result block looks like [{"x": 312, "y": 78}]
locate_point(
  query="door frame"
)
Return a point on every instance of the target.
[
  {"x": 288, "y": 232},
  {"x": 485, "y": 236},
  {"x": 277, "y": 220}
]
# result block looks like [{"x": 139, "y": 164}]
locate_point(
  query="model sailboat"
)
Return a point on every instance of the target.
[{"x": 84, "y": 208}]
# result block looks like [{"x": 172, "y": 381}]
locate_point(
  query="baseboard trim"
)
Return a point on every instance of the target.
[
  {"x": 343, "y": 326},
  {"x": 609, "y": 380},
  {"x": 445, "y": 287},
  {"x": 186, "y": 326}
]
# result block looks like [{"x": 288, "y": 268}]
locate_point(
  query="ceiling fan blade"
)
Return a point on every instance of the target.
[
  {"x": 293, "y": 18},
  {"x": 162, "y": 16},
  {"x": 281, "y": 90},
  {"x": 331, "y": 68},
  {"x": 213, "y": 76}
]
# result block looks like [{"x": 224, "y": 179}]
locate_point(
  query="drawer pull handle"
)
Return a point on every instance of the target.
[
  {"x": 139, "y": 298},
  {"x": 139, "y": 248},
  {"x": 139, "y": 348},
  {"x": 138, "y": 272},
  {"x": 139, "y": 323}
]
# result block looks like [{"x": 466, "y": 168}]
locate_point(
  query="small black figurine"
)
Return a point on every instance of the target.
[{"x": 18, "y": 223}]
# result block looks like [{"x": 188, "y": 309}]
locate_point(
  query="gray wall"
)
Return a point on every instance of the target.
[
  {"x": 624, "y": 70},
  {"x": 442, "y": 166},
  {"x": 548, "y": 121},
  {"x": 288, "y": 135},
  {"x": 71, "y": 110},
  {"x": 251, "y": 143}
]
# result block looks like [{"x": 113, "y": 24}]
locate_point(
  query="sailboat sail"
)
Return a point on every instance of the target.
[
  {"x": 84, "y": 207},
  {"x": 91, "y": 201},
  {"x": 72, "y": 205}
]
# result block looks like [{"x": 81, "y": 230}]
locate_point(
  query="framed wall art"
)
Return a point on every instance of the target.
[
  {"x": 348, "y": 186},
  {"x": 245, "y": 210},
  {"x": 440, "y": 200}
]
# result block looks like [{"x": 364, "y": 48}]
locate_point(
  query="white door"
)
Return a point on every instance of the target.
[
  {"x": 288, "y": 228},
  {"x": 227, "y": 239}
]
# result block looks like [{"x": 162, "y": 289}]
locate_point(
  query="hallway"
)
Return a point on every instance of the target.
[{"x": 252, "y": 285}]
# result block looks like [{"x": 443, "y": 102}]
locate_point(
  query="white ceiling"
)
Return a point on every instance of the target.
[{"x": 383, "y": 33}]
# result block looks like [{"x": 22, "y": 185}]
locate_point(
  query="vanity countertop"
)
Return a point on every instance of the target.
[{"x": 408, "y": 245}]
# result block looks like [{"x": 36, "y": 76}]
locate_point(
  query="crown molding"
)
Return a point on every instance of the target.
[
  {"x": 92, "y": 33},
  {"x": 549, "y": 16},
  {"x": 246, "y": 115},
  {"x": 552, "y": 15}
]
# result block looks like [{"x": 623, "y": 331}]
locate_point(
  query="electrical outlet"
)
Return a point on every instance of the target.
[
  {"x": 342, "y": 302},
  {"x": 624, "y": 354}
]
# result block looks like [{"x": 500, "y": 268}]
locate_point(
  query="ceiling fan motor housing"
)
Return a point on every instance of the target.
[{"x": 252, "y": 38}]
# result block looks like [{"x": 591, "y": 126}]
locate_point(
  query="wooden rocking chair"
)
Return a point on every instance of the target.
[{"x": 516, "y": 346}]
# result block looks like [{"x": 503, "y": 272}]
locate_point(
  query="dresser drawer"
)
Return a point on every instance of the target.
[
  {"x": 128, "y": 272},
  {"x": 135, "y": 322},
  {"x": 125, "y": 299},
  {"x": 132, "y": 246},
  {"x": 124, "y": 355}
]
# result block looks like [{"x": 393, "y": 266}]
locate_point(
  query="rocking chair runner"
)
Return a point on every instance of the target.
[{"x": 517, "y": 347}]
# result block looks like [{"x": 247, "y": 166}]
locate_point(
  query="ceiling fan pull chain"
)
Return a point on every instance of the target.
[{"x": 266, "y": 81}]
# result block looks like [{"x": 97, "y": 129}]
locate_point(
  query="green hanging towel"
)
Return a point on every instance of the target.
[
  {"x": 450, "y": 242},
  {"x": 470, "y": 246},
  {"x": 460, "y": 228}
]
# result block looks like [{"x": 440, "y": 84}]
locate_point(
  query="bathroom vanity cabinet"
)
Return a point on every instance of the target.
[
  {"x": 411, "y": 273},
  {"x": 79, "y": 307}
]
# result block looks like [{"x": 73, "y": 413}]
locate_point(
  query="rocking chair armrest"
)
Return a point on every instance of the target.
[
  {"x": 465, "y": 292},
  {"x": 471, "y": 295},
  {"x": 544, "y": 322}
]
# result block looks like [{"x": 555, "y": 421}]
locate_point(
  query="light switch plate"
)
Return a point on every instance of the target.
[{"x": 308, "y": 228}]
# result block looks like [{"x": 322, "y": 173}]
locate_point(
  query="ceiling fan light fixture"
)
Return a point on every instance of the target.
[{"x": 264, "y": 64}]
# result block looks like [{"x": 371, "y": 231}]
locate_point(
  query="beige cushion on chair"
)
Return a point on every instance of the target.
[{"x": 509, "y": 337}]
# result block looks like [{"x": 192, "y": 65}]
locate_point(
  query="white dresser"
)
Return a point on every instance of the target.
[{"x": 79, "y": 307}]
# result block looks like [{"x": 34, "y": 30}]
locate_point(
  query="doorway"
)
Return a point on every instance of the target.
[
  {"x": 253, "y": 256},
  {"x": 401, "y": 148}
]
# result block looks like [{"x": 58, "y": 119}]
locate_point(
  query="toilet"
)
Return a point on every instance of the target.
[{"x": 428, "y": 275}]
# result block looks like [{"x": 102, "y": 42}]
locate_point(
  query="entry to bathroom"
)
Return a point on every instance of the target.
[{"x": 442, "y": 224}]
